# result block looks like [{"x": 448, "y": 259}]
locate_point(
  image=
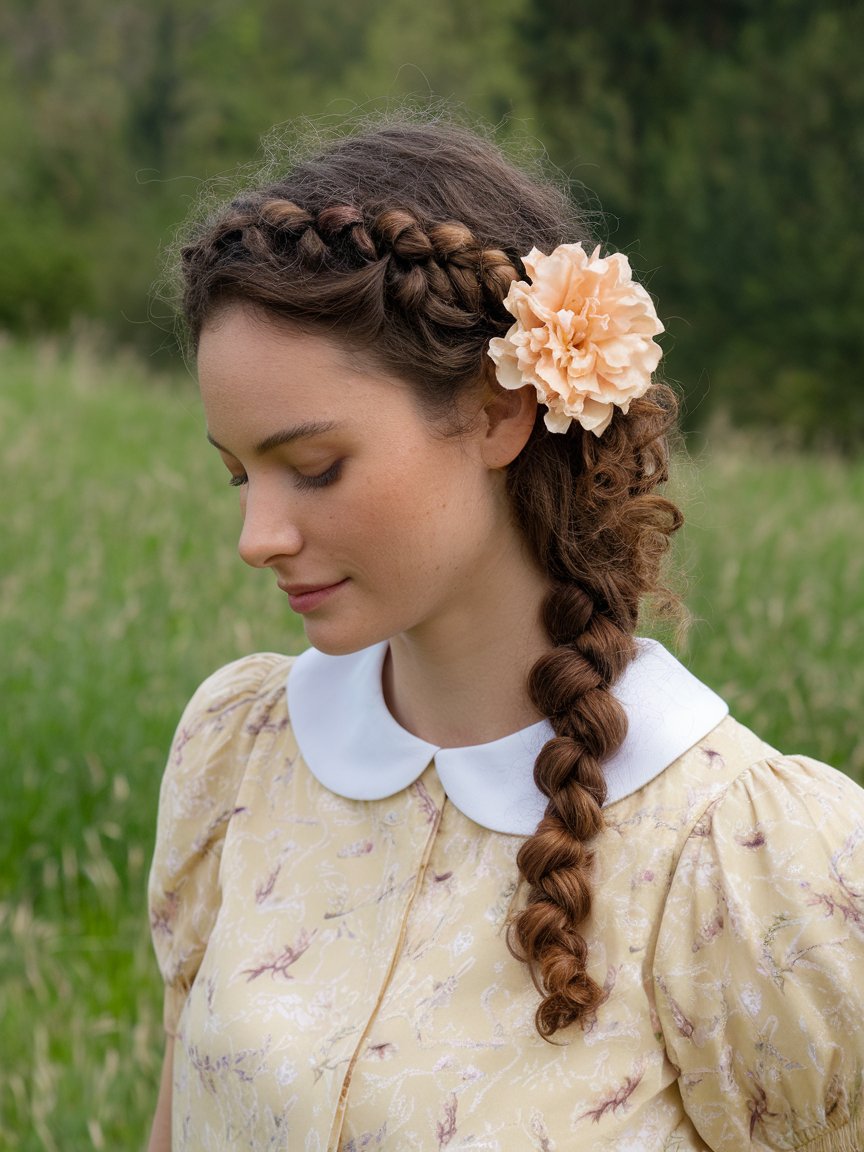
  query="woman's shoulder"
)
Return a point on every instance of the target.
[
  {"x": 744, "y": 782},
  {"x": 731, "y": 776},
  {"x": 225, "y": 716},
  {"x": 790, "y": 797},
  {"x": 239, "y": 684},
  {"x": 760, "y": 952}
]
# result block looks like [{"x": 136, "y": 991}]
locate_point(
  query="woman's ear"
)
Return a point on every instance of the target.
[{"x": 509, "y": 417}]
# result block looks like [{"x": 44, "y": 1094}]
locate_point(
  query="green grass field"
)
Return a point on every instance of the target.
[{"x": 120, "y": 589}]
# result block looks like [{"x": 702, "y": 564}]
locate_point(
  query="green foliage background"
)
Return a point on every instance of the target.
[
  {"x": 725, "y": 145},
  {"x": 723, "y": 141}
]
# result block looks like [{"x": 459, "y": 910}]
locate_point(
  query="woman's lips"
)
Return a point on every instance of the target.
[{"x": 306, "y": 597}]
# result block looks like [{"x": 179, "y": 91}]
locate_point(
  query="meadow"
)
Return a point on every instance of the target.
[{"x": 120, "y": 589}]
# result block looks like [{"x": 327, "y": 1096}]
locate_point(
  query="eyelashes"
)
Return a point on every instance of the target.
[
  {"x": 305, "y": 483},
  {"x": 301, "y": 480}
]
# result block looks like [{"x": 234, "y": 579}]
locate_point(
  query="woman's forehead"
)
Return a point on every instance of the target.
[{"x": 262, "y": 381}]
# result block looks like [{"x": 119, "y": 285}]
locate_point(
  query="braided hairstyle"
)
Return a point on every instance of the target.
[{"x": 402, "y": 242}]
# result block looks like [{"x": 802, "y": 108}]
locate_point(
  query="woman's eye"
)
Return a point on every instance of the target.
[
  {"x": 321, "y": 480},
  {"x": 301, "y": 480}
]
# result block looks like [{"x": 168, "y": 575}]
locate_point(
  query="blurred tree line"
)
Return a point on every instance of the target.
[{"x": 724, "y": 143}]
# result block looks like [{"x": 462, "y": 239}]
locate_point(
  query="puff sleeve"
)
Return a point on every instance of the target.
[
  {"x": 759, "y": 967},
  {"x": 198, "y": 797}
]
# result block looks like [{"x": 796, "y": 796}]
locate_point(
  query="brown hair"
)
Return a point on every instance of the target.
[{"x": 403, "y": 240}]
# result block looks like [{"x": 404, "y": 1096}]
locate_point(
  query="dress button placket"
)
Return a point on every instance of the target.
[{"x": 430, "y": 800}]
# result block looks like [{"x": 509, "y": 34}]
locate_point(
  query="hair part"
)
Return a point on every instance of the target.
[{"x": 401, "y": 243}]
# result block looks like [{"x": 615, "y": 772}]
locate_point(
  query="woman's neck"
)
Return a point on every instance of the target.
[{"x": 461, "y": 679}]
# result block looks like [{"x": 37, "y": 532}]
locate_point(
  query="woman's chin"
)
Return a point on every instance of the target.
[{"x": 337, "y": 642}]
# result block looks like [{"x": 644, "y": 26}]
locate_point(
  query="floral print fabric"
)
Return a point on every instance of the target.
[{"x": 337, "y": 974}]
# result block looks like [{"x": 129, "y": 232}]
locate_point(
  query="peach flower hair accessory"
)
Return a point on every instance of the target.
[{"x": 582, "y": 336}]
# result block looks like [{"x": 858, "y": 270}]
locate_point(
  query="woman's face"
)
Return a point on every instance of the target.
[{"x": 374, "y": 522}]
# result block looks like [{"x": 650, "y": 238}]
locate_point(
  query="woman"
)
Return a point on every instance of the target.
[{"x": 436, "y": 401}]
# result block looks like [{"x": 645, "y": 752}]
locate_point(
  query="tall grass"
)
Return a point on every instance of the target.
[
  {"x": 774, "y": 550},
  {"x": 120, "y": 590}
]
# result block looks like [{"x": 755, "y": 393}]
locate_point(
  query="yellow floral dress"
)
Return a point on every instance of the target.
[{"x": 337, "y": 976}]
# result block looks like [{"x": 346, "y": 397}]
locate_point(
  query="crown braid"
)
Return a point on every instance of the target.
[
  {"x": 403, "y": 242},
  {"x": 441, "y": 275}
]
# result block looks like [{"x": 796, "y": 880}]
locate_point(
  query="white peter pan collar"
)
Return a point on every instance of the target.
[{"x": 354, "y": 747}]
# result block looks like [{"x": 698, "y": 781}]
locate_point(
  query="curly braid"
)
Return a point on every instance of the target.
[
  {"x": 402, "y": 242},
  {"x": 603, "y": 534}
]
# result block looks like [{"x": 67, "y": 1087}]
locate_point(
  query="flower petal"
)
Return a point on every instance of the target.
[{"x": 582, "y": 336}]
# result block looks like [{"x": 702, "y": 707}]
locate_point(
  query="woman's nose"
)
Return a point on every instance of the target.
[{"x": 268, "y": 532}]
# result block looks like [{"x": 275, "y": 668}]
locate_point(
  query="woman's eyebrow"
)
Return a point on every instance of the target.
[{"x": 286, "y": 435}]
